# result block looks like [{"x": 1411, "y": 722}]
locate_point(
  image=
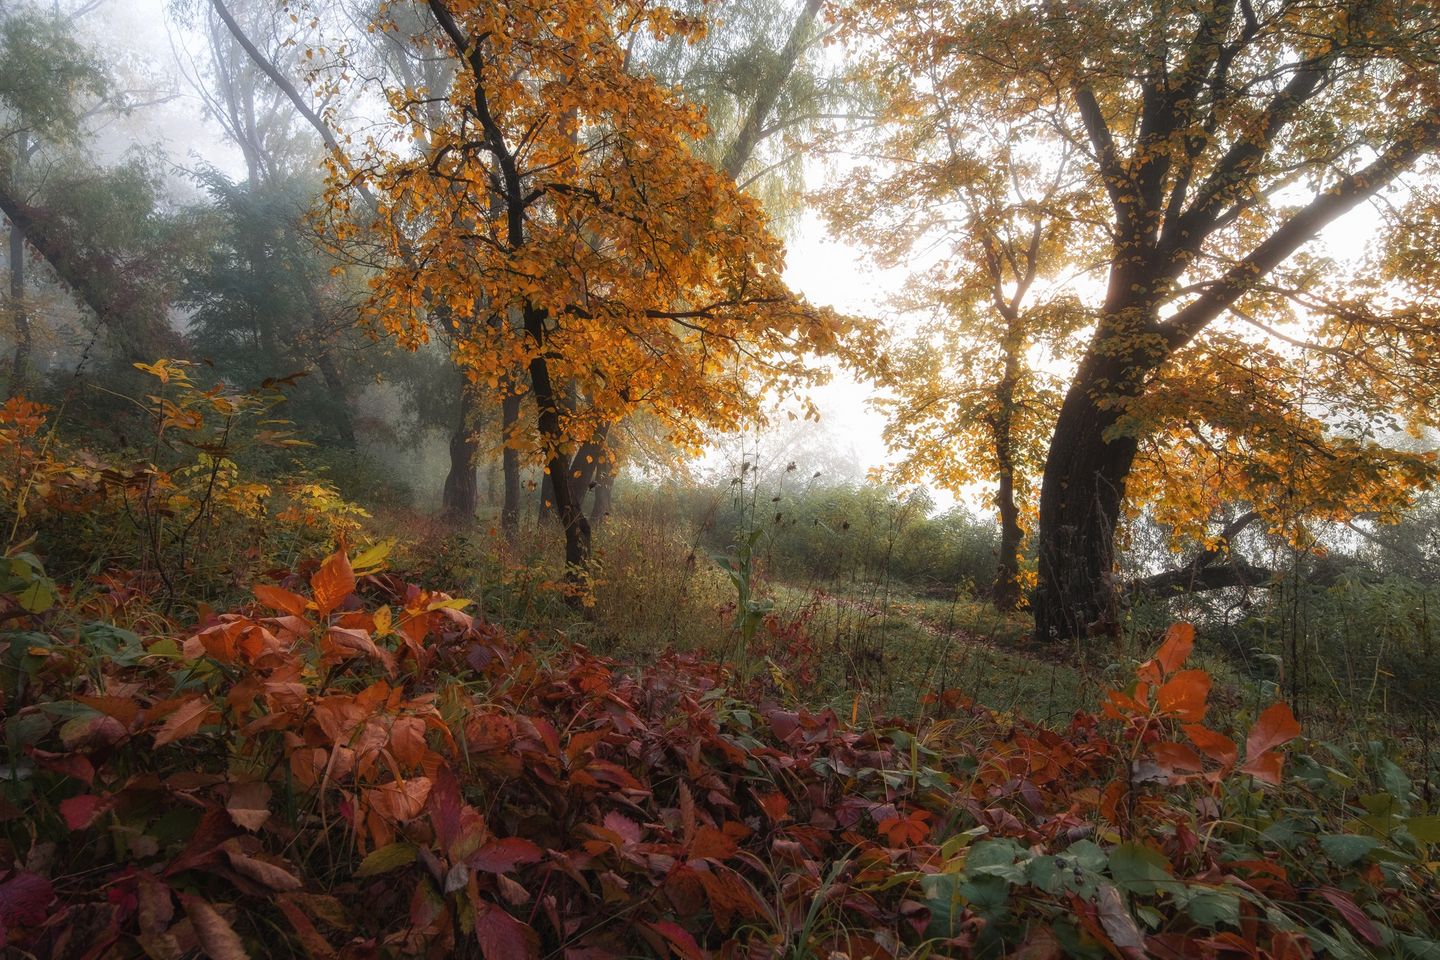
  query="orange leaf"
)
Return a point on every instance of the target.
[
  {"x": 333, "y": 582},
  {"x": 278, "y": 598},
  {"x": 1179, "y": 641},
  {"x": 1275, "y": 727},
  {"x": 1177, "y": 758},
  {"x": 188, "y": 718},
  {"x": 1217, "y": 747},
  {"x": 1183, "y": 695},
  {"x": 1264, "y": 766}
]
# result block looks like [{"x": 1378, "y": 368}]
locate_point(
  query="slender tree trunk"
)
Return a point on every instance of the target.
[
  {"x": 24, "y": 335},
  {"x": 752, "y": 130},
  {"x": 460, "y": 497},
  {"x": 510, "y": 465},
  {"x": 604, "y": 492},
  {"x": 548, "y": 405},
  {"x": 339, "y": 397},
  {"x": 1006, "y": 591},
  {"x": 1007, "y": 576}
]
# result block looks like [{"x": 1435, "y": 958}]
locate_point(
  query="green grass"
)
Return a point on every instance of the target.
[{"x": 894, "y": 647}]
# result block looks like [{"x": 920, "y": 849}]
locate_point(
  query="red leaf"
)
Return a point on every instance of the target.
[
  {"x": 712, "y": 844},
  {"x": 501, "y": 936},
  {"x": 1179, "y": 641},
  {"x": 502, "y": 856},
  {"x": 445, "y": 803},
  {"x": 24, "y": 901},
  {"x": 682, "y": 944},
  {"x": 1358, "y": 919},
  {"x": 628, "y": 829},
  {"x": 80, "y": 811},
  {"x": 278, "y": 598},
  {"x": 1177, "y": 758},
  {"x": 333, "y": 582},
  {"x": 775, "y": 805}
]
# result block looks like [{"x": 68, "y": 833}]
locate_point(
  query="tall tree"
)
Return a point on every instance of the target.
[
  {"x": 1224, "y": 136},
  {"x": 563, "y": 187},
  {"x": 50, "y": 85},
  {"x": 990, "y": 233}
]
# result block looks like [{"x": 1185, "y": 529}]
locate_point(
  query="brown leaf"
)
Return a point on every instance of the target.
[
  {"x": 263, "y": 872},
  {"x": 217, "y": 938},
  {"x": 249, "y": 804},
  {"x": 187, "y": 718}
]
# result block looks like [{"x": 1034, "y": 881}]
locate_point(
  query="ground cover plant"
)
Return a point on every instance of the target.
[{"x": 352, "y": 765}]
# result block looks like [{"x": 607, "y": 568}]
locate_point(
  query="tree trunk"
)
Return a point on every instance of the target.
[
  {"x": 604, "y": 492},
  {"x": 1080, "y": 500},
  {"x": 460, "y": 497},
  {"x": 547, "y": 403},
  {"x": 24, "y": 336},
  {"x": 339, "y": 397},
  {"x": 547, "y": 510},
  {"x": 1007, "y": 575},
  {"x": 510, "y": 462}
]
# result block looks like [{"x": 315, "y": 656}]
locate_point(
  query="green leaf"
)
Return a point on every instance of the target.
[
  {"x": 1346, "y": 848},
  {"x": 1424, "y": 829},
  {"x": 1140, "y": 869},
  {"x": 1420, "y": 947},
  {"x": 392, "y": 856},
  {"x": 1211, "y": 906}
]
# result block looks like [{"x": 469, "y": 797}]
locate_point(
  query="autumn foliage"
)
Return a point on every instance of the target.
[{"x": 352, "y": 765}]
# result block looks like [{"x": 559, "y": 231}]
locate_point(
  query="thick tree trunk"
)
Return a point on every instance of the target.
[
  {"x": 1081, "y": 495},
  {"x": 461, "y": 496}
]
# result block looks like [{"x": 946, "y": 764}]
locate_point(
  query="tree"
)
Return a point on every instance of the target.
[
  {"x": 1224, "y": 136},
  {"x": 997, "y": 230},
  {"x": 50, "y": 85},
  {"x": 560, "y": 214},
  {"x": 766, "y": 89}
]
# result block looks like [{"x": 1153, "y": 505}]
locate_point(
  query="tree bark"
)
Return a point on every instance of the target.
[
  {"x": 548, "y": 404},
  {"x": 752, "y": 131},
  {"x": 604, "y": 492},
  {"x": 461, "y": 496},
  {"x": 510, "y": 465},
  {"x": 339, "y": 397},
  {"x": 1082, "y": 490},
  {"x": 1007, "y": 575}
]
